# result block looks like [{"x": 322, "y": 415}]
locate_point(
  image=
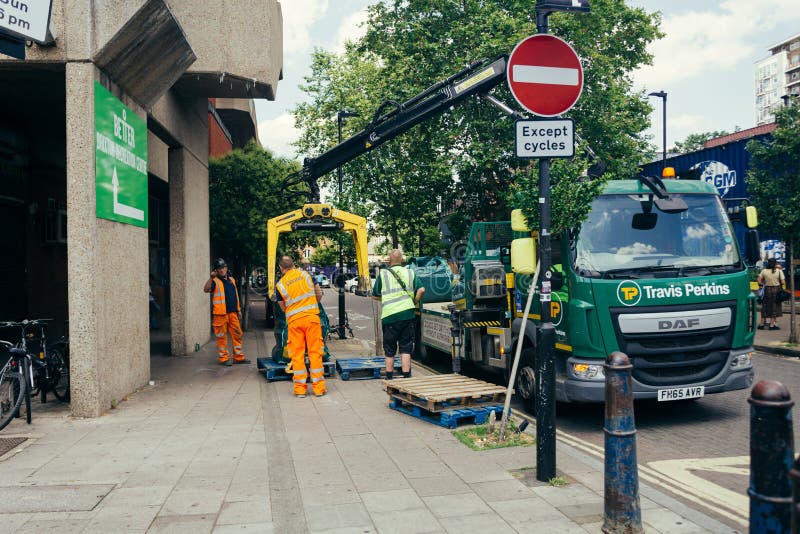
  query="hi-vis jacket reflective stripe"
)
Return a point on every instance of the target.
[
  {"x": 297, "y": 290},
  {"x": 394, "y": 298},
  {"x": 218, "y": 297}
]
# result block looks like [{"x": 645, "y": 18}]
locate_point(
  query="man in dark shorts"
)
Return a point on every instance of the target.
[{"x": 400, "y": 292}]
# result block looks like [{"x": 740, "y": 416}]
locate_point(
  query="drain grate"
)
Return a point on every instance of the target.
[{"x": 6, "y": 444}]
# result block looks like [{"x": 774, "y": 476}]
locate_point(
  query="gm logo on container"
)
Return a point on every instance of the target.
[{"x": 629, "y": 293}]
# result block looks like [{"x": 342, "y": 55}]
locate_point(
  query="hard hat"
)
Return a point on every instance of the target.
[{"x": 219, "y": 263}]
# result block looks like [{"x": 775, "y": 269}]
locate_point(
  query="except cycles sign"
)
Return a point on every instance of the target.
[
  {"x": 120, "y": 160},
  {"x": 545, "y": 138},
  {"x": 28, "y": 19}
]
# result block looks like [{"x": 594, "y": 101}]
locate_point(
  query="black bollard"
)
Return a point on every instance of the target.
[
  {"x": 794, "y": 474},
  {"x": 623, "y": 513},
  {"x": 771, "y": 456}
]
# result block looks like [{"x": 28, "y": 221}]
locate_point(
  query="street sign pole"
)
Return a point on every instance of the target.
[
  {"x": 545, "y": 361},
  {"x": 546, "y": 77}
]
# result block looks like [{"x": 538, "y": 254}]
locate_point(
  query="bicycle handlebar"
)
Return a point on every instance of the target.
[{"x": 24, "y": 322}]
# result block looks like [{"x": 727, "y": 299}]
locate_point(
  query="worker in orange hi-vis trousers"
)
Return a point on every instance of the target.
[
  {"x": 226, "y": 313},
  {"x": 298, "y": 297}
]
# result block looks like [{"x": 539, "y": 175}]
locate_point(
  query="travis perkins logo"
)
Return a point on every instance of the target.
[{"x": 629, "y": 293}]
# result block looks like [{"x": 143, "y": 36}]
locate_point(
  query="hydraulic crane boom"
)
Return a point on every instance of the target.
[{"x": 393, "y": 118}]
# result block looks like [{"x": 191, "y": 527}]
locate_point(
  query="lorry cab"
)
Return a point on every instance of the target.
[{"x": 655, "y": 271}]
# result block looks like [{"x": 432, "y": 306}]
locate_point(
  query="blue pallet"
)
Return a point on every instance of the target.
[
  {"x": 449, "y": 418},
  {"x": 362, "y": 368},
  {"x": 277, "y": 371}
]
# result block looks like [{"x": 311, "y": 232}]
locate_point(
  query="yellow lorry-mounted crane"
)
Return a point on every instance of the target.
[{"x": 318, "y": 218}]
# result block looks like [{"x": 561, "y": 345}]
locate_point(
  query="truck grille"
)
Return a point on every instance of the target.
[{"x": 675, "y": 358}]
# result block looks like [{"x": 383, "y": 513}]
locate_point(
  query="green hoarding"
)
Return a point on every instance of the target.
[{"x": 120, "y": 160}]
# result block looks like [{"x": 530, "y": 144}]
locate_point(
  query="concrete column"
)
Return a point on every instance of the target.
[
  {"x": 107, "y": 271},
  {"x": 189, "y": 249}
]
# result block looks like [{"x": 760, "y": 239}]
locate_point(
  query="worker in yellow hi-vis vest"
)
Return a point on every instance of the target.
[
  {"x": 400, "y": 291},
  {"x": 298, "y": 297}
]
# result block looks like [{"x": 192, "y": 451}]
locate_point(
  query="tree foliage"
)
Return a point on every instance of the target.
[
  {"x": 467, "y": 153},
  {"x": 773, "y": 181},
  {"x": 694, "y": 142},
  {"x": 246, "y": 188},
  {"x": 773, "y": 184}
]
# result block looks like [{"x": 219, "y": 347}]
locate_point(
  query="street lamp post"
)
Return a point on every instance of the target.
[
  {"x": 663, "y": 96},
  {"x": 342, "y": 114}
]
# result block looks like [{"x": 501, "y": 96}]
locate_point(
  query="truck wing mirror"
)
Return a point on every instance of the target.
[
  {"x": 752, "y": 246},
  {"x": 644, "y": 221},
  {"x": 751, "y": 217}
]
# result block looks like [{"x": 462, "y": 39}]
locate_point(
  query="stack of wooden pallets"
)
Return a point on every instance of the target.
[{"x": 446, "y": 400}]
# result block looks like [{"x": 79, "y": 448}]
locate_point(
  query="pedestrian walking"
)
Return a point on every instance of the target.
[
  {"x": 226, "y": 312},
  {"x": 400, "y": 292},
  {"x": 772, "y": 280},
  {"x": 298, "y": 296}
]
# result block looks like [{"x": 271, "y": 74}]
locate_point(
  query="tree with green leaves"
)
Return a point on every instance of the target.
[
  {"x": 246, "y": 188},
  {"x": 773, "y": 184},
  {"x": 467, "y": 153},
  {"x": 695, "y": 142},
  {"x": 325, "y": 255}
]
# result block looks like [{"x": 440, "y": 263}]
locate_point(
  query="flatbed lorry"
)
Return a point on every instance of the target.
[{"x": 655, "y": 271}]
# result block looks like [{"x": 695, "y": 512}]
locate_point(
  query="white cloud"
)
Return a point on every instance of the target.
[
  {"x": 699, "y": 42},
  {"x": 277, "y": 135},
  {"x": 298, "y": 17},
  {"x": 352, "y": 28}
]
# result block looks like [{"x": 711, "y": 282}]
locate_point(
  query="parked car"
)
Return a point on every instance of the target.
[
  {"x": 323, "y": 280},
  {"x": 351, "y": 284}
]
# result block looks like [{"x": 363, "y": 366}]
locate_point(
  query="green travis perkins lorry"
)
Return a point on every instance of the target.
[{"x": 655, "y": 271}]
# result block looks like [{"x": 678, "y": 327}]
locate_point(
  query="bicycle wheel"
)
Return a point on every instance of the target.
[
  {"x": 11, "y": 392},
  {"x": 58, "y": 368}
]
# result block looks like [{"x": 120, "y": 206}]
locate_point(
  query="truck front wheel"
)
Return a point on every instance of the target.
[{"x": 526, "y": 386}]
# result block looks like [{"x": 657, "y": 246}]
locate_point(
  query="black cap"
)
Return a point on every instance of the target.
[{"x": 219, "y": 263}]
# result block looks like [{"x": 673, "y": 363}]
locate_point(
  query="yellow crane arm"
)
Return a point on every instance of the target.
[{"x": 318, "y": 217}]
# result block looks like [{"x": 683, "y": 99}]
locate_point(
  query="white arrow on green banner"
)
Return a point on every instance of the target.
[{"x": 120, "y": 160}]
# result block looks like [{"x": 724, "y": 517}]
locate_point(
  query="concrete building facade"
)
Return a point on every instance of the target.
[
  {"x": 777, "y": 76},
  {"x": 162, "y": 61}
]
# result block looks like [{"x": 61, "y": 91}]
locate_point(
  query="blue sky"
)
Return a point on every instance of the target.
[{"x": 704, "y": 63}]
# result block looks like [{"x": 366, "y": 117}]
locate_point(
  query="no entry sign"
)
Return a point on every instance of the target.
[{"x": 545, "y": 75}]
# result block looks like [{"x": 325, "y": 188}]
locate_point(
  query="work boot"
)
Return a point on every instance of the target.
[
  {"x": 241, "y": 361},
  {"x": 300, "y": 395}
]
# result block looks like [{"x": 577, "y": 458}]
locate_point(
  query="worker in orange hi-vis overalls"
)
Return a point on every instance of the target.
[
  {"x": 226, "y": 313},
  {"x": 298, "y": 297}
]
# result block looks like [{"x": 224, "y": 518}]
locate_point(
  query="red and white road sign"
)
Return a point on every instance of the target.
[{"x": 545, "y": 75}]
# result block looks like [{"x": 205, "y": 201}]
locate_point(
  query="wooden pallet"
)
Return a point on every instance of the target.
[
  {"x": 449, "y": 418},
  {"x": 362, "y": 368},
  {"x": 444, "y": 392},
  {"x": 277, "y": 371}
]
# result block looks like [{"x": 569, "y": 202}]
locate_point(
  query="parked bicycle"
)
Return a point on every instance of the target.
[{"x": 27, "y": 373}]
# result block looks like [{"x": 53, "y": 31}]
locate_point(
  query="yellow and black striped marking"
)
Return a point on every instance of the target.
[{"x": 478, "y": 324}]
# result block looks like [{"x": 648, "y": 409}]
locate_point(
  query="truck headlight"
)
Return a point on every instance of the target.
[
  {"x": 741, "y": 360},
  {"x": 588, "y": 371}
]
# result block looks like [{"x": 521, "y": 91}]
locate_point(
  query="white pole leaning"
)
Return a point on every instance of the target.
[{"x": 513, "y": 376}]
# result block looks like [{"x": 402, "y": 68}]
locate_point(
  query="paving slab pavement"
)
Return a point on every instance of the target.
[{"x": 210, "y": 448}]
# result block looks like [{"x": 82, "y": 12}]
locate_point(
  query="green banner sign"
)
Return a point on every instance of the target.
[{"x": 120, "y": 160}]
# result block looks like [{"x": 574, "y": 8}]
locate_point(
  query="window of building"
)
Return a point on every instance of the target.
[{"x": 795, "y": 45}]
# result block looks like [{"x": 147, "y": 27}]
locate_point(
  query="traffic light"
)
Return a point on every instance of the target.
[{"x": 581, "y": 6}]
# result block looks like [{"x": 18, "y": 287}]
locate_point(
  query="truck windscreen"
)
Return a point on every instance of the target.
[{"x": 694, "y": 242}]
